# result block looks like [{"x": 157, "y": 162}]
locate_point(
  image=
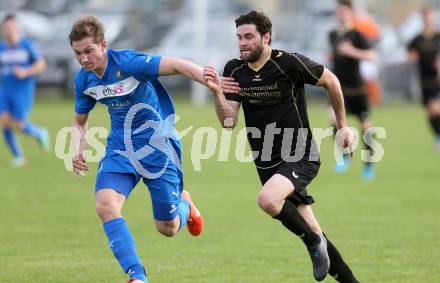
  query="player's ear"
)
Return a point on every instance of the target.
[
  {"x": 104, "y": 44},
  {"x": 266, "y": 38}
]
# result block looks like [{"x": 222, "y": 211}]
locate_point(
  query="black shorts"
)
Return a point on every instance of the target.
[
  {"x": 300, "y": 173},
  {"x": 430, "y": 93},
  {"x": 357, "y": 105}
]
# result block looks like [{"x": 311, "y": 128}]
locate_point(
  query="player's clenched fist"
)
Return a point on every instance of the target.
[{"x": 346, "y": 139}]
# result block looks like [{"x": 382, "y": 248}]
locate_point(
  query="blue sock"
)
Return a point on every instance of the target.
[
  {"x": 122, "y": 244},
  {"x": 12, "y": 142},
  {"x": 183, "y": 212},
  {"x": 32, "y": 130}
]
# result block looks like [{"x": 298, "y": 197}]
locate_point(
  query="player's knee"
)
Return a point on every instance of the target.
[
  {"x": 267, "y": 202},
  {"x": 167, "y": 228},
  {"x": 107, "y": 210},
  {"x": 168, "y": 231},
  {"x": 6, "y": 123}
]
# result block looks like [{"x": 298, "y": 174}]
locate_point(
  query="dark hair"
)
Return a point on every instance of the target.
[
  {"x": 259, "y": 19},
  {"x": 87, "y": 26},
  {"x": 347, "y": 3},
  {"x": 8, "y": 17}
]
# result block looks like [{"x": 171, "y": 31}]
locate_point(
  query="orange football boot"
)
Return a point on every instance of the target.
[{"x": 195, "y": 219}]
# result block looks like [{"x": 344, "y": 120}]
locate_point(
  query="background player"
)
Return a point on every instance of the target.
[
  {"x": 348, "y": 47},
  {"x": 20, "y": 62},
  {"x": 424, "y": 49}
]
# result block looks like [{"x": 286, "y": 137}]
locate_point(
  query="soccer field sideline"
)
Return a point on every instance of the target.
[{"x": 387, "y": 230}]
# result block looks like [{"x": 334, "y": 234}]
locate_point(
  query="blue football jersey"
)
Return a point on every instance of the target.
[
  {"x": 139, "y": 106},
  {"x": 22, "y": 54}
]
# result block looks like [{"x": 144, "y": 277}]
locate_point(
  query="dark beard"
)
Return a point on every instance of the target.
[{"x": 254, "y": 55}]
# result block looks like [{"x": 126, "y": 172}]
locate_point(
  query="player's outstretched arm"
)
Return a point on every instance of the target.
[
  {"x": 331, "y": 83},
  {"x": 177, "y": 66},
  {"x": 35, "y": 69},
  {"x": 79, "y": 125},
  {"x": 227, "y": 111},
  {"x": 348, "y": 49}
]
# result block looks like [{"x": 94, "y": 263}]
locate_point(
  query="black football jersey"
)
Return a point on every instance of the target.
[
  {"x": 428, "y": 47},
  {"x": 273, "y": 101},
  {"x": 344, "y": 67}
]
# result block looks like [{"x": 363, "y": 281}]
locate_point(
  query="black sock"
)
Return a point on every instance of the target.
[
  {"x": 339, "y": 270},
  {"x": 293, "y": 221},
  {"x": 435, "y": 124}
]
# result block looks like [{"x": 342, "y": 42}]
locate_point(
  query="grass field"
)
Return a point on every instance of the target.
[{"x": 388, "y": 230}]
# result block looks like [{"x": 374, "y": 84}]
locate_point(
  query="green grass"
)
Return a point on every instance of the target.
[{"x": 387, "y": 230}]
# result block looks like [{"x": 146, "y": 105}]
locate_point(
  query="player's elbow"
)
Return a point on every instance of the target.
[
  {"x": 334, "y": 82},
  {"x": 78, "y": 125},
  {"x": 41, "y": 66},
  {"x": 80, "y": 120}
]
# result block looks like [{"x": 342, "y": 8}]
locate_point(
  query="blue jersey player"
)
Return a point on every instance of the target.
[
  {"x": 20, "y": 62},
  {"x": 142, "y": 142}
]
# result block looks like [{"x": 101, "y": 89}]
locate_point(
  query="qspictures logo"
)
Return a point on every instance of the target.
[{"x": 210, "y": 142}]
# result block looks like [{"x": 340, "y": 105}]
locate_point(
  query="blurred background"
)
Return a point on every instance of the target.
[{"x": 168, "y": 27}]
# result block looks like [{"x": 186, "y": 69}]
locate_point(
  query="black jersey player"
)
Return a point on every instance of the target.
[{"x": 269, "y": 85}]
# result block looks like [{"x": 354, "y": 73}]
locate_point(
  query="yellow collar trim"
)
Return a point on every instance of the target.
[{"x": 257, "y": 68}]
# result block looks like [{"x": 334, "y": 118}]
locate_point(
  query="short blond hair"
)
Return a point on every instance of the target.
[{"x": 87, "y": 26}]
